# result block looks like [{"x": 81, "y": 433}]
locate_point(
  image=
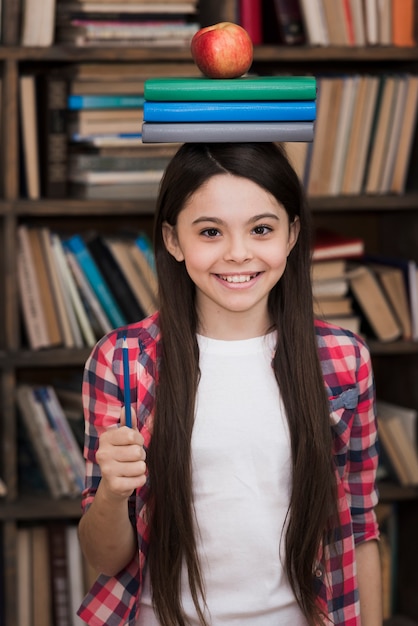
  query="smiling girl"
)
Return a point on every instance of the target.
[{"x": 244, "y": 493}]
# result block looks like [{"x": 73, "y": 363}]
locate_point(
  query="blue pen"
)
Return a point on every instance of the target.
[{"x": 126, "y": 383}]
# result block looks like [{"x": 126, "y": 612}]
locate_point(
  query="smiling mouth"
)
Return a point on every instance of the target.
[{"x": 238, "y": 278}]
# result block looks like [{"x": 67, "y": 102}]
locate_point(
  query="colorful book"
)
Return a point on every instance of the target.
[
  {"x": 254, "y": 88},
  {"x": 227, "y": 131},
  {"x": 290, "y": 110},
  {"x": 77, "y": 245},
  {"x": 128, "y": 101}
]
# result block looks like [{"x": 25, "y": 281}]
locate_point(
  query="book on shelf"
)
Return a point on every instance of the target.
[
  {"x": 115, "y": 277},
  {"x": 388, "y": 270},
  {"x": 40, "y": 577},
  {"x": 335, "y": 19},
  {"x": 87, "y": 126},
  {"x": 77, "y": 318},
  {"x": 59, "y": 581},
  {"x": 297, "y": 153},
  {"x": 68, "y": 450},
  {"x": 290, "y": 22},
  {"x": 123, "y": 251},
  {"x": 243, "y": 111},
  {"x": 330, "y": 287},
  {"x": 371, "y": 15},
  {"x": 379, "y": 318},
  {"x": 403, "y": 21},
  {"x": 333, "y": 306},
  {"x": 175, "y": 89},
  {"x": 42, "y": 440},
  {"x": 115, "y": 191},
  {"x": 380, "y": 136},
  {"x": 42, "y": 268},
  {"x": 29, "y": 293},
  {"x": 145, "y": 245},
  {"x": 329, "y": 96},
  {"x": 120, "y": 102},
  {"x": 52, "y": 89},
  {"x": 406, "y": 136},
  {"x": 387, "y": 519},
  {"x": 227, "y": 131},
  {"x": 395, "y": 439},
  {"x": 394, "y": 283},
  {"x": 250, "y": 18},
  {"x": 358, "y": 140},
  {"x": 77, "y": 245},
  {"x": 325, "y": 270},
  {"x": 75, "y": 572},
  {"x": 355, "y": 16},
  {"x": 23, "y": 574},
  {"x": 57, "y": 288},
  {"x": 330, "y": 245},
  {"x": 351, "y": 85},
  {"x": 315, "y": 24},
  {"x": 3, "y": 488},
  {"x": 82, "y": 32},
  {"x": 38, "y": 22},
  {"x": 29, "y": 135},
  {"x": 126, "y": 6},
  {"x": 92, "y": 319}
]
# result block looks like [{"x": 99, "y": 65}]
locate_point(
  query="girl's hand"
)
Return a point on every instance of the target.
[{"x": 121, "y": 457}]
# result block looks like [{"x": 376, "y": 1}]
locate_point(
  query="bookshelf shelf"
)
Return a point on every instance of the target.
[
  {"x": 324, "y": 204},
  {"x": 39, "y": 508},
  {"x": 268, "y": 53}
]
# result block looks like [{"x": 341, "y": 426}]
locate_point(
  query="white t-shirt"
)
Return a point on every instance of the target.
[{"x": 241, "y": 488}]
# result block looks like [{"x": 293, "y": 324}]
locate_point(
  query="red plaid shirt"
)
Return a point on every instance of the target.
[{"x": 114, "y": 601}]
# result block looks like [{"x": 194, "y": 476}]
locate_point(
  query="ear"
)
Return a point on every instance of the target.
[
  {"x": 294, "y": 230},
  {"x": 171, "y": 241}
]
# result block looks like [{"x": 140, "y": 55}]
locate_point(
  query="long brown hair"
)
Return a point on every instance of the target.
[{"x": 297, "y": 369}]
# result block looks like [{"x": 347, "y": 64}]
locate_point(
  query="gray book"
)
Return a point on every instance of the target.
[{"x": 226, "y": 132}]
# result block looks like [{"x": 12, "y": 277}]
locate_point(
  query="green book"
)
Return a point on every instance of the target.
[{"x": 212, "y": 89}]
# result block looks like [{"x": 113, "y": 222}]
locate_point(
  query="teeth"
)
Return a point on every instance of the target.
[{"x": 237, "y": 279}]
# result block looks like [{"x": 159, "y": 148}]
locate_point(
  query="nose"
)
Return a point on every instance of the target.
[{"x": 238, "y": 249}]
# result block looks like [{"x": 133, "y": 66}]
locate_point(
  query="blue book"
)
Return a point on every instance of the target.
[
  {"x": 145, "y": 245},
  {"x": 183, "y": 132},
  {"x": 105, "y": 101},
  {"x": 78, "y": 246},
  {"x": 283, "y": 111}
]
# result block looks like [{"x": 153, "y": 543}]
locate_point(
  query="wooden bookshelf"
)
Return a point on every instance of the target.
[{"x": 388, "y": 223}]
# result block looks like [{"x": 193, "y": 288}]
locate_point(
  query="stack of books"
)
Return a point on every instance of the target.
[
  {"x": 273, "y": 108},
  {"x": 132, "y": 22}
]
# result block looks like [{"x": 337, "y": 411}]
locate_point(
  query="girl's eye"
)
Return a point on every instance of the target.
[
  {"x": 262, "y": 230},
  {"x": 210, "y": 232}
]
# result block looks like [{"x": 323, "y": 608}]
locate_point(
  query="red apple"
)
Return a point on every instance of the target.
[{"x": 224, "y": 50}]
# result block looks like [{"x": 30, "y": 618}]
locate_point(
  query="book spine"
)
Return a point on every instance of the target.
[
  {"x": 54, "y": 409},
  {"x": 88, "y": 296},
  {"x": 250, "y": 18},
  {"x": 59, "y": 574},
  {"x": 78, "y": 102},
  {"x": 96, "y": 280},
  {"x": 116, "y": 279},
  {"x": 210, "y": 89},
  {"x": 68, "y": 289},
  {"x": 290, "y": 22},
  {"x": 29, "y": 293},
  {"x": 54, "y": 147},
  {"x": 37, "y": 429},
  {"x": 230, "y": 111},
  {"x": 227, "y": 131}
]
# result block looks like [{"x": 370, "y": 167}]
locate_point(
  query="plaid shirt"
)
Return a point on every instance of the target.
[{"x": 345, "y": 360}]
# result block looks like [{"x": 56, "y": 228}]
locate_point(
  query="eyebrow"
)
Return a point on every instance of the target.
[{"x": 252, "y": 220}]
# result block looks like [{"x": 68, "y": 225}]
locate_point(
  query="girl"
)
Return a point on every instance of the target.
[{"x": 244, "y": 494}]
